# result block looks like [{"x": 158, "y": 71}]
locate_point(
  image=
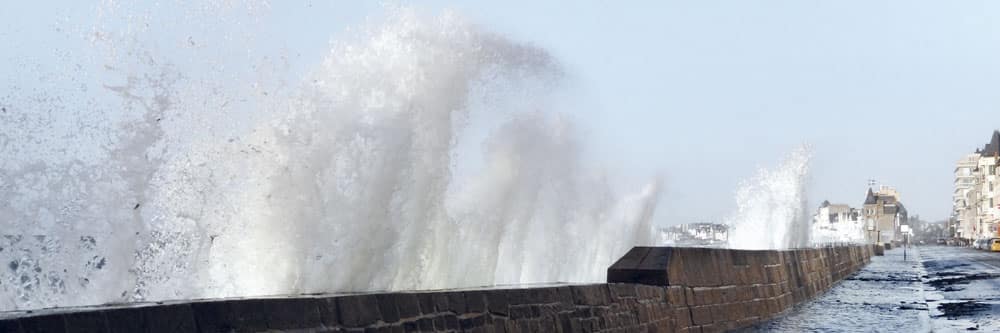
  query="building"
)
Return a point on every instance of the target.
[
  {"x": 965, "y": 217},
  {"x": 837, "y": 223},
  {"x": 883, "y": 214},
  {"x": 976, "y": 198},
  {"x": 695, "y": 234},
  {"x": 989, "y": 212}
]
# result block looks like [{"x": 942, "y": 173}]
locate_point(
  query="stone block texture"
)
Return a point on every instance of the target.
[
  {"x": 649, "y": 290},
  {"x": 727, "y": 289}
]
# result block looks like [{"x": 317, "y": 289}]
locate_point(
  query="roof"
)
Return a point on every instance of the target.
[
  {"x": 992, "y": 149},
  {"x": 873, "y": 198},
  {"x": 870, "y": 199}
]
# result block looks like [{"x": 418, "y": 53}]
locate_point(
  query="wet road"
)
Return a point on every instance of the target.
[
  {"x": 963, "y": 288},
  {"x": 937, "y": 289},
  {"x": 885, "y": 296}
]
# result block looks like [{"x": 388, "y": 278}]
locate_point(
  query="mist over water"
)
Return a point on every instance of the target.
[
  {"x": 423, "y": 153},
  {"x": 771, "y": 210}
]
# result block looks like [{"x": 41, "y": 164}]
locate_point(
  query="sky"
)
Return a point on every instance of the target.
[{"x": 706, "y": 92}]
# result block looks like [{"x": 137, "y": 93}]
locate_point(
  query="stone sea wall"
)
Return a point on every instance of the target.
[
  {"x": 649, "y": 290},
  {"x": 729, "y": 289}
]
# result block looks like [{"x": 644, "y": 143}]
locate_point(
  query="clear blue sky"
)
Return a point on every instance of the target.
[{"x": 704, "y": 92}]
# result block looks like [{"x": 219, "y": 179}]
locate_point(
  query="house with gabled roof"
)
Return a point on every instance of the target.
[{"x": 883, "y": 214}]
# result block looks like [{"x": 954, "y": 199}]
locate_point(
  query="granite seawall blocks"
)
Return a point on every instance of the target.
[
  {"x": 649, "y": 290},
  {"x": 729, "y": 289}
]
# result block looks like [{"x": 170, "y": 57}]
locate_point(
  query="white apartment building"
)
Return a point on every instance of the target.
[
  {"x": 976, "y": 198},
  {"x": 965, "y": 218}
]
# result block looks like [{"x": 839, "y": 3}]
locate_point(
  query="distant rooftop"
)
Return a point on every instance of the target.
[
  {"x": 886, "y": 195},
  {"x": 870, "y": 198},
  {"x": 992, "y": 149}
]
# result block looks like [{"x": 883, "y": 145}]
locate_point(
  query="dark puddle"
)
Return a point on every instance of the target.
[
  {"x": 962, "y": 309},
  {"x": 887, "y": 278},
  {"x": 936, "y": 265},
  {"x": 913, "y": 306},
  {"x": 941, "y": 275},
  {"x": 944, "y": 283}
]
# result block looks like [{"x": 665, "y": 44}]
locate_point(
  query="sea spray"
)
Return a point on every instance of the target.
[
  {"x": 771, "y": 207},
  {"x": 191, "y": 184}
]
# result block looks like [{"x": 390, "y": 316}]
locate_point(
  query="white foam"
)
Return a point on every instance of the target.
[
  {"x": 345, "y": 182},
  {"x": 771, "y": 207}
]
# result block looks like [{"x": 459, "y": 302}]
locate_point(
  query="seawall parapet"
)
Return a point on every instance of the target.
[
  {"x": 728, "y": 289},
  {"x": 650, "y": 289}
]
